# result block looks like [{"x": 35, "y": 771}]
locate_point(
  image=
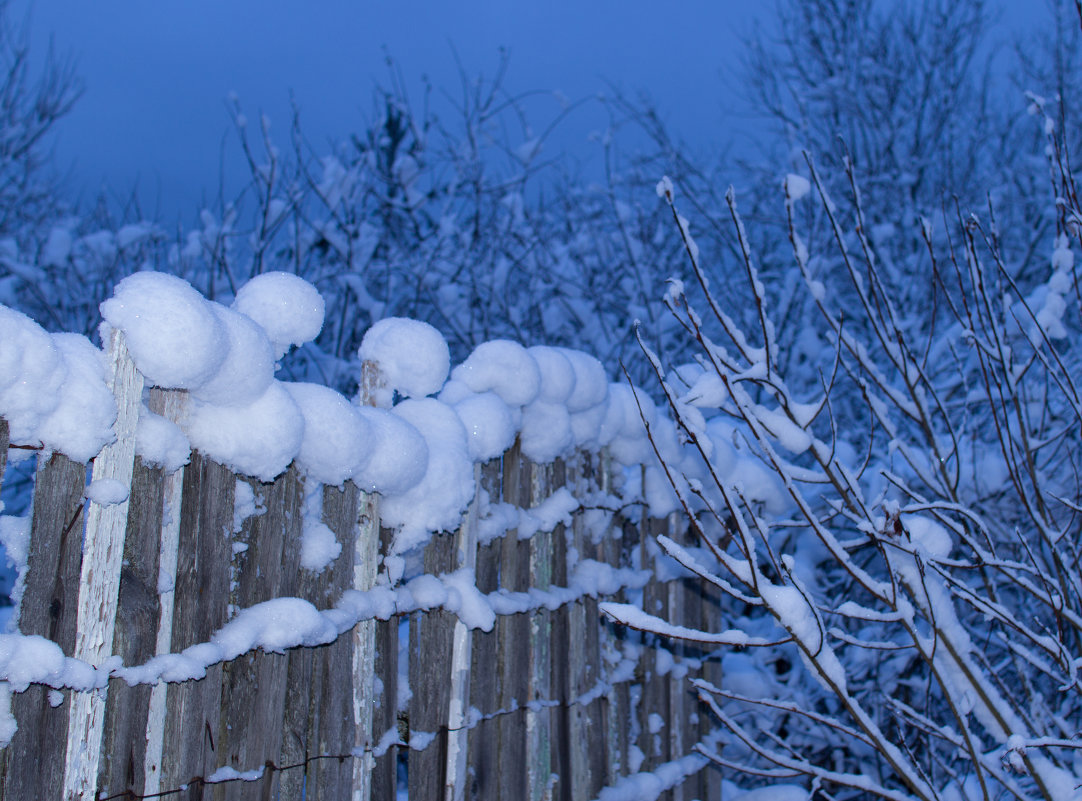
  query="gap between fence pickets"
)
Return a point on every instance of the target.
[
  {"x": 172, "y": 405},
  {"x": 99, "y": 581}
]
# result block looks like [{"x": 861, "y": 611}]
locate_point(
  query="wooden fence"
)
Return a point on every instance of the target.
[{"x": 553, "y": 703}]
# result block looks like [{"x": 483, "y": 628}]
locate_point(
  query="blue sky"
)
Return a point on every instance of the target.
[{"x": 157, "y": 72}]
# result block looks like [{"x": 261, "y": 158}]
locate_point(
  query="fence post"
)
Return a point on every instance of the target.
[
  {"x": 173, "y": 406},
  {"x": 99, "y": 581}
]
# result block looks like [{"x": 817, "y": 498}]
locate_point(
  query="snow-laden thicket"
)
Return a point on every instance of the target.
[{"x": 913, "y": 603}]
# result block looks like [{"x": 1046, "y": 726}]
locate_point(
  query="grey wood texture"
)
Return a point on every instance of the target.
[
  {"x": 4, "y": 442},
  {"x": 512, "y": 636},
  {"x": 385, "y": 713},
  {"x": 318, "y": 727},
  {"x": 431, "y": 635},
  {"x": 34, "y": 760},
  {"x": 484, "y": 678},
  {"x": 193, "y": 709},
  {"x": 138, "y": 608},
  {"x": 254, "y": 684}
]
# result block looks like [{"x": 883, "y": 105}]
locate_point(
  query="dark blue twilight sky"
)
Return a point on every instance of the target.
[{"x": 157, "y": 72}]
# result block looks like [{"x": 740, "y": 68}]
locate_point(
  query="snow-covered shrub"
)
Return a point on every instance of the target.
[{"x": 917, "y": 600}]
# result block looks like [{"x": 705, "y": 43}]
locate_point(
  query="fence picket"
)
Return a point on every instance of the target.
[
  {"x": 587, "y": 721},
  {"x": 431, "y": 645},
  {"x": 201, "y": 599},
  {"x": 99, "y": 581},
  {"x": 465, "y": 557},
  {"x": 365, "y": 558},
  {"x": 254, "y": 685},
  {"x": 385, "y": 705},
  {"x": 134, "y": 641},
  {"x": 35, "y": 758},
  {"x": 484, "y": 683},
  {"x": 319, "y": 724},
  {"x": 173, "y": 406},
  {"x": 538, "y": 727},
  {"x": 512, "y": 632},
  {"x": 4, "y": 443}
]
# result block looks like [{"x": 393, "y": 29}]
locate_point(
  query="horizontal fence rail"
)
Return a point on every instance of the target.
[{"x": 488, "y": 673}]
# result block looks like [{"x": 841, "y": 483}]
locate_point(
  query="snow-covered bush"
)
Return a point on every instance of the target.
[{"x": 916, "y": 601}]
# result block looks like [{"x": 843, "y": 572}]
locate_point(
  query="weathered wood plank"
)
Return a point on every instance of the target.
[
  {"x": 431, "y": 646},
  {"x": 619, "y": 547},
  {"x": 485, "y": 678},
  {"x": 35, "y": 758},
  {"x": 511, "y": 632},
  {"x": 172, "y": 405},
  {"x": 201, "y": 599},
  {"x": 539, "y": 764},
  {"x": 710, "y": 776},
  {"x": 655, "y": 702},
  {"x": 254, "y": 685},
  {"x": 5, "y": 441},
  {"x": 587, "y": 721},
  {"x": 457, "y": 721},
  {"x": 135, "y": 638},
  {"x": 365, "y": 556},
  {"x": 385, "y": 704},
  {"x": 565, "y": 654},
  {"x": 319, "y": 705},
  {"x": 99, "y": 581}
]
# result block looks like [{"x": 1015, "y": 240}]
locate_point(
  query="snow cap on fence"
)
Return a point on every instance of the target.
[
  {"x": 398, "y": 455},
  {"x": 288, "y": 308},
  {"x": 31, "y": 374},
  {"x": 248, "y": 367},
  {"x": 160, "y": 442},
  {"x": 489, "y": 422},
  {"x": 82, "y": 422},
  {"x": 258, "y": 439},
  {"x": 174, "y": 337},
  {"x": 413, "y": 357},
  {"x": 437, "y": 502},
  {"x": 336, "y": 444},
  {"x": 503, "y": 367}
]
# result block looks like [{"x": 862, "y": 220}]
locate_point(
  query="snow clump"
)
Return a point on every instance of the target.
[
  {"x": 335, "y": 445},
  {"x": 31, "y": 374},
  {"x": 412, "y": 356},
  {"x": 437, "y": 502},
  {"x": 289, "y": 308},
  {"x": 171, "y": 331}
]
